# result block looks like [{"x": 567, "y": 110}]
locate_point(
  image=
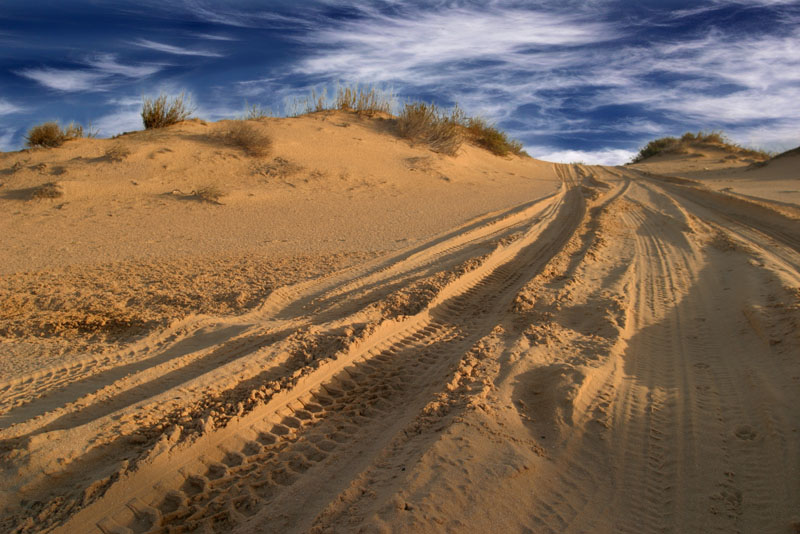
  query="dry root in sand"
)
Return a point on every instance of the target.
[{"x": 48, "y": 190}]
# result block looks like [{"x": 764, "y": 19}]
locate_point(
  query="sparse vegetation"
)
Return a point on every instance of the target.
[
  {"x": 674, "y": 145},
  {"x": 249, "y": 137},
  {"x": 367, "y": 101},
  {"x": 442, "y": 130},
  {"x": 48, "y": 190},
  {"x": 163, "y": 111},
  {"x": 255, "y": 112},
  {"x": 489, "y": 137},
  {"x": 50, "y": 134}
]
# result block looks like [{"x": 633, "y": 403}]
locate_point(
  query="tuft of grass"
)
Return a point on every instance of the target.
[
  {"x": 442, "y": 130},
  {"x": 489, "y": 137},
  {"x": 209, "y": 193},
  {"x": 50, "y": 134},
  {"x": 48, "y": 190},
  {"x": 250, "y": 138},
  {"x": 162, "y": 111}
]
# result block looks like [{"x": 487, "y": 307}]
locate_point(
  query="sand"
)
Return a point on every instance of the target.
[{"x": 391, "y": 340}]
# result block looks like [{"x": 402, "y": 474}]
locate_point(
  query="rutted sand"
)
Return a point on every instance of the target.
[{"x": 614, "y": 351}]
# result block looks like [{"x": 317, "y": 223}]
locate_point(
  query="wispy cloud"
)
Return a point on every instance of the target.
[
  {"x": 6, "y": 138},
  {"x": 215, "y": 37},
  {"x": 103, "y": 72},
  {"x": 557, "y": 64},
  {"x": 7, "y": 108},
  {"x": 107, "y": 63},
  {"x": 66, "y": 79},
  {"x": 178, "y": 50}
]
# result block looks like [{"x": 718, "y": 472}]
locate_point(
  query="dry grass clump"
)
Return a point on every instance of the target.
[
  {"x": 489, "y": 137},
  {"x": 249, "y": 137},
  {"x": 674, "y": 145},
  {"x": 50, "y": 134},
  {"x": 48, "y": 190},
  {"x": 368, "y": 101},
  {"x": 442, "y": 130},
  {"x": 209, "y": 193},
  {"x": 163, "y": 111},
  {"x": 117, "y": 153},
  {"x": 255, "y": 112}
]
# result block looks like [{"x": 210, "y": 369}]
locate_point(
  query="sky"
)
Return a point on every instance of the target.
[{"x": 590, "y": 80}]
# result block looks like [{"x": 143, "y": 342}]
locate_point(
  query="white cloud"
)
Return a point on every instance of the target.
[
  {"x": 606, "y": 156},
  {"x": 170, "y": 49}
]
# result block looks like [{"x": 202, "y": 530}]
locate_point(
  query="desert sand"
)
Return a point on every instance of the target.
[{"x": 361, "y": 335}]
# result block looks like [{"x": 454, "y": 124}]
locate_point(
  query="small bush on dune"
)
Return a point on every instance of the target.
[
  {"x": 50, "y": 134},
  {"x": 163, "y": 111},
  {"x": 440, "y": 129},
  {"x": 657, "y": 146},
  {"x": 674, "y": 145},
  {"x": 248, "y": 137},
  {"x": 489, "y": 137}
]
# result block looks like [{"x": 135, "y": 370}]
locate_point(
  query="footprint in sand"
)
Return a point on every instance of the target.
[{"x": 746, "y": 433}]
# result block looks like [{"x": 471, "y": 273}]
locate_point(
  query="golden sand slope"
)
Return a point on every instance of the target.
[
  {"x": 618, "y": 354},
  {"x": 130, "y": 247}
]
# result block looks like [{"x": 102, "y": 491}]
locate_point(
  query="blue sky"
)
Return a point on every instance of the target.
[{"x": 588, "y": 80}]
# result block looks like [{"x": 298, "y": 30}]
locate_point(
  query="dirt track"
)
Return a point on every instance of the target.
[{"x": 621, "y": 356}]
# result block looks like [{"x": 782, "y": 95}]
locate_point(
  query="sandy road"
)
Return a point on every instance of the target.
[{"x": 621, "y": 356}]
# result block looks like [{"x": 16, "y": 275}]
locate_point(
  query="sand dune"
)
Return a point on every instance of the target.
[{"x": 521, "y": 347}]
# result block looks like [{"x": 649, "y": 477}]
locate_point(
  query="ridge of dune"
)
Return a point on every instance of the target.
[{"x": 459, "y": 344}]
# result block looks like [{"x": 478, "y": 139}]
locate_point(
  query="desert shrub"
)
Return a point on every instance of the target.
[
  {"x": 163, "y": 111},
  {"x": 249, "y": 137},
  {"x": 442, "y": 130},
  {"x": 656, "y": 146},
  {"x": 50, "y": 134},
  {"x": 48, "y": 190},
  {"x": 489, "y": 137},
  {"x": 209, "y": 193}
]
